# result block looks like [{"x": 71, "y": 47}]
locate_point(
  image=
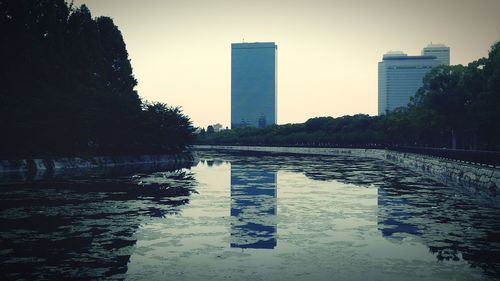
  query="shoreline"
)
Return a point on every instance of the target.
[
  {"x": 445, "y": 171},
  {"x": 42, "y": 168}
]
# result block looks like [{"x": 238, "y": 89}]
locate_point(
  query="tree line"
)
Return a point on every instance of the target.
[
  {"x": 67, "y": 87},
  {"x": 456, "y": 107}
]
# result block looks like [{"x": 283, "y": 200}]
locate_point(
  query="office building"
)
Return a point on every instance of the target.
[
  {"x": 399, "y": 78},
  {"x": 440, "y": 51},
  {"x": 253, "y": 84}
]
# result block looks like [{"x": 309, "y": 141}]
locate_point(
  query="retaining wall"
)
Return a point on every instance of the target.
[
  {"x": 101, "y": 162},
  {"x": 446, "y": 171}
]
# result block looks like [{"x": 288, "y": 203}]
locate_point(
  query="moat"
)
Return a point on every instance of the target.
[{"x": 240, "y": 216}]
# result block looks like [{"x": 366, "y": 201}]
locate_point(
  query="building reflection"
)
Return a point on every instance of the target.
[
  {"x": 453, "y": 224},
  {"x": 253, "y": 207},
  {"x": 393, "y": 216}
]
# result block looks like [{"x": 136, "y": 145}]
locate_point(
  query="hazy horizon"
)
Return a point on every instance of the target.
[{"x": 327, "y": 50}]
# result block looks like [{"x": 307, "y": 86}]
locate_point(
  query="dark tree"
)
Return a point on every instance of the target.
[
  {"x": 68, "y": 86},
  {"x": 165, "y": 129}
]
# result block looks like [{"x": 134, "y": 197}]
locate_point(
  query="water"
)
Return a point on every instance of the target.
[{"x": 251, "y": 217}]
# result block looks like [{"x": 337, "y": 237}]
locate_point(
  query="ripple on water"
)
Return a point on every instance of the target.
[{"x": 252, "y": 217}]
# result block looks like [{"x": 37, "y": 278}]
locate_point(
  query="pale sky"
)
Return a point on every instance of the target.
[{"x": 327, "y": 50}]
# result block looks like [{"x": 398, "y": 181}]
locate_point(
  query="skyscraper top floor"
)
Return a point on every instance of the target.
[{"x": 251, "y": 45}]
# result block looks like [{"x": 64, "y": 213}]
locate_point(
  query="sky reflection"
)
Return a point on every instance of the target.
[{"x": 251, "y": 217}]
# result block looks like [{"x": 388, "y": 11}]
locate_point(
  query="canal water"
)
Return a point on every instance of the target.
[{"x": 249, "y": 217}]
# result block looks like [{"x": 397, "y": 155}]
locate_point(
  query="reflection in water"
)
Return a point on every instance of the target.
[
  {"x": 455, "y": 224},
  {"x": 82, "y": 228},
  {"x": 111, "y": 171},
  {"x": 393, "y": 217},
  {"x": 253, "y": 207},
  {"x": 340, "y": 218},
  {"x": 212, "y": 162}
]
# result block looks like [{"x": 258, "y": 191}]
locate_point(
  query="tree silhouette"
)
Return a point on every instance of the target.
[{"x": 68, "y": 86}]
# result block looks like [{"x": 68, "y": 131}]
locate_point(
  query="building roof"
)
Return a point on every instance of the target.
[
  {"x": 406, "y": 57},
  {"x": 252, "y": 45},
  {"x": 436, "y": 46},
  {"x": 394, "y": 54}
]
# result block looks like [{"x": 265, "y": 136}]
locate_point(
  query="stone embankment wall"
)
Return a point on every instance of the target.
[
  {"x": 446, "y": 171},
  {"x": 39, "y": 168}
]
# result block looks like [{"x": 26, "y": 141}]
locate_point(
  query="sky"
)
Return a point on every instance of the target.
[{"x": 327, "y": 50}]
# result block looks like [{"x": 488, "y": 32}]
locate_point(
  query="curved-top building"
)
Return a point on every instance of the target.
[{"x": 400, "y": 75}]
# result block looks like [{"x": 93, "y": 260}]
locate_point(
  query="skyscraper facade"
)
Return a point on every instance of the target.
[
  {"x": 253, "y": 84},
  {"x": 440, "y": 51},
  {"x": 399, "y": 78}
]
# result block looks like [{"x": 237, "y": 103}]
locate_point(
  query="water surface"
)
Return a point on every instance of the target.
[{"x": 251, "y": 217}]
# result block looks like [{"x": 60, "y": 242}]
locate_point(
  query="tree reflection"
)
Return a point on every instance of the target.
[
  {"x": 67, "y": 229},
  {"x": 453, "y": 222}
]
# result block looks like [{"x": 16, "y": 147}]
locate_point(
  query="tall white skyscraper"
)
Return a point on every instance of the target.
[
  {"x": 440, "y": 51},
  {"x": 253, "y": 84},
  {"x": 399, "y": 78}
]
